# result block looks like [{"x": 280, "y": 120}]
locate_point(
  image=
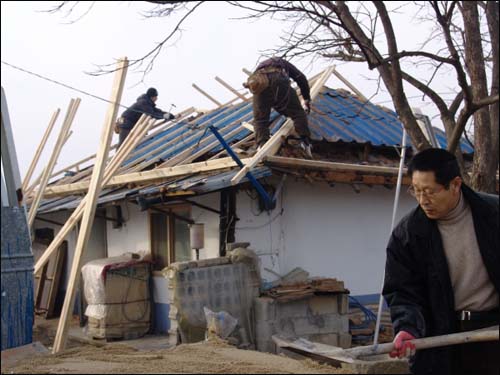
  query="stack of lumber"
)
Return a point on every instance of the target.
[
  {"x": 305, "y": 289},
  {"x": 362, "y": 324}
]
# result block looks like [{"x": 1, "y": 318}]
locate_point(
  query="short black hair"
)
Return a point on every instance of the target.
[
  {"x": 152, "y": 92},
  {"x": 443, "y": 163}
]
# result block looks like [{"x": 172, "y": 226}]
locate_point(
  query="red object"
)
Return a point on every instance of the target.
[{"x": 403, "y": 347}]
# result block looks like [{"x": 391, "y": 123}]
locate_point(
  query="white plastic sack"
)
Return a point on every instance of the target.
[{"x": 221, "y": 323}]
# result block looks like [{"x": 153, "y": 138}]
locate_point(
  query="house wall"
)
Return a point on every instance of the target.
[
  {"x": 96, "y": 245},
  {"x": 133, "y": 236},
  {"x": 330, "y": 231},
  {"x": 211, "y": 221}
]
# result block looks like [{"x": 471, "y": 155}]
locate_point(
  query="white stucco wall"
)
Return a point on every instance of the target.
[
  {"x": 96, "y": 246},
  {"x": 133, "y": 236},
  {"x": 328, "y": 231},
  {"x": 211, "y": 223}
]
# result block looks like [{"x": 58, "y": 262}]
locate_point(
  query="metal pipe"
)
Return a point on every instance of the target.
[{"x": 394, "y": 210}]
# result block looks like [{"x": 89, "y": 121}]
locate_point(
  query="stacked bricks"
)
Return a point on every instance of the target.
[
  {"x": 321, "y": 318},
  {"x": 213, "y": 283}
]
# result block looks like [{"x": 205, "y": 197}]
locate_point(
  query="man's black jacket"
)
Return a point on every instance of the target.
[
  {"x": 144, "y": 104},
  {"x": 417, "y": 283}
]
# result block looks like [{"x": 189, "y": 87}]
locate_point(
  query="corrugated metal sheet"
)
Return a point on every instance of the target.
[
  {"x": 199, "y": 184},
  {"x": 340, "y": 116},
  {"x": 16, "y": 279},
  {"x": 337, "y": 116}
]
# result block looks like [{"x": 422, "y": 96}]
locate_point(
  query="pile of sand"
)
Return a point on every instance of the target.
[{"x": 204, "y": 357}]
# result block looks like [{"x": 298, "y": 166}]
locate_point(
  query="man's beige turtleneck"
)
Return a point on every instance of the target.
[{"x": 471, "y": 284}]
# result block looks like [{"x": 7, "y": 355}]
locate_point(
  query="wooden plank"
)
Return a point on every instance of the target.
[
  {"x": 248, "y": 126},
  {"x": 328, "y": 165},
  {"x": 39, "y": 288},
  {"x": 236, "y": 145},
  {"x": 70, "y": 115},
  {"x": 230, "y": 88},
  {"x": 274, "y": 143},
  {"x": 207, "y": 95},
  {"x": 187, "y": 152},
  {"x": 56, "y": 278},
  {"x": 118, "y": 158},
  {"x": 208, "y": 147},
  {"x": 39, "y": 149},
  {"x": 351, "y": 86},
  {"x": 148, "y": 176},
  {"x": 141, "y": 163},
  {"x": 90, "y": 206},
  {"x": 86, "y": 174}
]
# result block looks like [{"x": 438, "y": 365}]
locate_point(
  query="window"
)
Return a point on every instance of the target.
[{"x": 169, "y": 236}]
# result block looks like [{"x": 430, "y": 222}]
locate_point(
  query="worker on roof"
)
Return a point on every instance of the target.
[
  {"x": 144, "y": 104},
  {"x": 443, "y": 269},
  {"x": 270, "y": 86}
]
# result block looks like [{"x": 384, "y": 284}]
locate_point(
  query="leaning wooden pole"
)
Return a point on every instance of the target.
[
  {"x": 39, "y": 150},
  {"x": 90, "y": 207},
  {"x": 133, "y": 139},
  {"x": 274, "y": 143},
  {"x": 70, "y": 115}
]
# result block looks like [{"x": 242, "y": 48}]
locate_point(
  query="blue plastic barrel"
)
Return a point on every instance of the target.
[{"x": 17, "y": 279}]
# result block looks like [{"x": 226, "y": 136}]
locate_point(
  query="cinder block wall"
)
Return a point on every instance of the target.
[{"x": 321, "y": 318}]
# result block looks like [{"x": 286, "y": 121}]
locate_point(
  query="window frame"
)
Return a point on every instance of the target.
[{"x": 172, "y": 208}]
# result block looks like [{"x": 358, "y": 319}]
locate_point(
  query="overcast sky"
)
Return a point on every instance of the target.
[{"x": 212, "y": 44}]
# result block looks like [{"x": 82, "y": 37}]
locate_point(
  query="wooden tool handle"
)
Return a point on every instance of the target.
[{"x": 491, "y": 334}]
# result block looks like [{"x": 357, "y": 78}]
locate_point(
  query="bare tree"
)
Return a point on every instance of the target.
[{"x": 468, "y": 49}]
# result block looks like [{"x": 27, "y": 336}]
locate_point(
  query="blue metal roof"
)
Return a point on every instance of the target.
[
  {"x": 198, "y": 184},
  {"x": 340, "y": 116},
  {"x": 337, "y": 116}
]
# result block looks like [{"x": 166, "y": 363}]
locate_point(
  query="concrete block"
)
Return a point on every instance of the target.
[
  {"x": 293, "y": 309},
  {"x": 235, "y": 245},
  {"x": 265, "y": 309},
  {"x": 300, "y": 326},
  {"x": 264, "y": 330},
  {"x": 343, "y": 301},
  {"x": 335, "y": 323},
  {"x": 325, "y": 338},
  {"x": 345, "y": 340},
  {"x": 267, "y": 346},
  {"x": 212, "y": 262},
  {"x": 320, "y": 305}
]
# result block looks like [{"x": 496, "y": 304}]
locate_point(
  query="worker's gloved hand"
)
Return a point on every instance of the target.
[
  {"x": 402, "y": 346},
  {"x": 306, "y": 104},
  {"x": 168, "y": 116}
]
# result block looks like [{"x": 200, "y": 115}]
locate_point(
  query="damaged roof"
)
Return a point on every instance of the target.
[{"x": 337, "y": 115}]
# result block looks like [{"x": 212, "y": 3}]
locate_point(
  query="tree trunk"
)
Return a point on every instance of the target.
[
  {"x": 390, "y": 72},
  {"x": 493, "y": 25},
  {"x": 483, "y": 170}
]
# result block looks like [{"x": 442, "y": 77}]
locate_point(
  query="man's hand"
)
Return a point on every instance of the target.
[
  {"x": 168, "y": 116},
  {"x": 306, "y": 104},
  {"x": 402, "y": 346}
]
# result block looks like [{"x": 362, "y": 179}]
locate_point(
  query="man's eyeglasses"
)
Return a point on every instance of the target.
[{"x": 428, "y": 192}]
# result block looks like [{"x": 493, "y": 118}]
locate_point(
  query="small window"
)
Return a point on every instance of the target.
[{"x": 170, "y": 236}]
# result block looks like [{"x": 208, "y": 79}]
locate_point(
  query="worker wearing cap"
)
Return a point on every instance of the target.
[
  {"x": 270, "y": 86},
  {"x": 443, "y": 269},
  {"x": 144, "y": 104}
]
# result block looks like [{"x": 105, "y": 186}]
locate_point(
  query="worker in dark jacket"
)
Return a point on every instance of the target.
[
  {"x": 442, "y": 269},
  {"x": 270, "y": 86},
  {"x": 144, "y": 104}
]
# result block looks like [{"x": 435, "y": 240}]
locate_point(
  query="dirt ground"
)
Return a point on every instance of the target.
[
  {"x": 213, "y": 357},
  {"x": 210, "y": 357}
]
